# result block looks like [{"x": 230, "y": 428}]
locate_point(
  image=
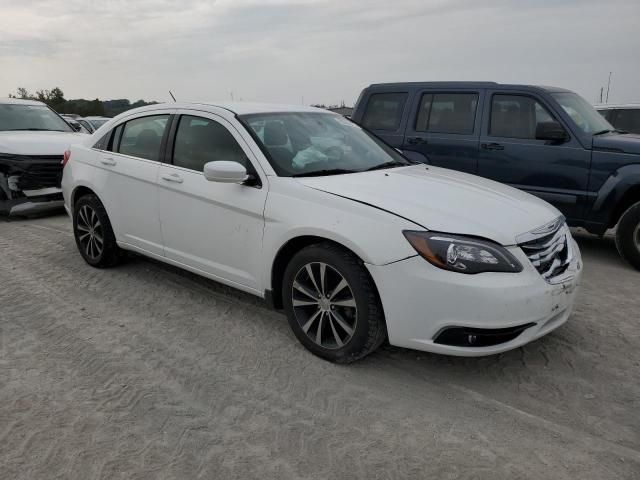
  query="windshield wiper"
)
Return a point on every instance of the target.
[
  {"x": 322, "y": 173},
  {"x": 34, "y": 130},
  {"x": 384, "y": 165}
]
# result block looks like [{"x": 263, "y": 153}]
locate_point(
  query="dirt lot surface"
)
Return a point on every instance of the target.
[{"x": 143, "y": 371}]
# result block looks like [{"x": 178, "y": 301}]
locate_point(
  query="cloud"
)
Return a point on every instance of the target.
[{"x": 322, "y": 50}]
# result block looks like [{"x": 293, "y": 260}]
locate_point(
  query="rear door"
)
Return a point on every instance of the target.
[
  {"x": 385, "y": 115},
  {"x": 126, "y": 178},
  {"x": 444, "y": 126},
  {"x": 510, "y": 153}
]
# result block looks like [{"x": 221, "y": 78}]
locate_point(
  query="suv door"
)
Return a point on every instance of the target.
[
  {"x": 444, "y": 126},
  {"x": 127, "y": 178},
  {"x": 556, "y": 171},
  {"x": 213, "y": 228}
]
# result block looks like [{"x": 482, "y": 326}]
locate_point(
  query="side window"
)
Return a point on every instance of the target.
[
  {"x": 142, "y": 137},
  {"x": 517, "y": 116},
  {"x": 628, "y": 119},
  {"x": 103, "y": 143},
  {"x": 201, "y": 140},
  {"x": 384, "y": 111},
  {"x": 606, "y": 113},
  {"x": 447, "y": 113}
]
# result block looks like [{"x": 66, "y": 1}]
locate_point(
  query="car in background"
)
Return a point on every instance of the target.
[
  {"x": 75, "y": 125},
  {"x": 623, "y": 117},
  {"x": 92, "y": 123},
  {"x": 547, "y": 141},
  {"x": 304, "y": 208},
  {"x": 33, "y": 139}
]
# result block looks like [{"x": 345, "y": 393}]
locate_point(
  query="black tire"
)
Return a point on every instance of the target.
[
  {"x": 100, "y": 256},
  {"x": 628, "y": 235},
  {"x": 366, "y": 317}
]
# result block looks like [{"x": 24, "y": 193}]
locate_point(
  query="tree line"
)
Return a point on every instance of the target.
[{"x": 54, "y": 98}]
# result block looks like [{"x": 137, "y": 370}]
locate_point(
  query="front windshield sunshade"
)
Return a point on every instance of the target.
[{"x": 301, "y": 144}]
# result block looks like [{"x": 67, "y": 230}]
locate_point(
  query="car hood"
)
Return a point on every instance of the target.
[
  {"x": 38, "y": 143},
  {"x": 444, "y": 200},
  {"x": 625, "y": 142}
]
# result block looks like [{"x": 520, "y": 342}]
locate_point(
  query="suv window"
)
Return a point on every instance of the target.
[
  {"x": 142, "y": 137},
  {"x": 628, "y": 119},
  {"x": 517, "y": 116},
  {"x": 606, "y": 113},
  {"x": 384, "y": 111},
  {"x": 447, "y": 113},
  {"x": 201, "y": 140}
]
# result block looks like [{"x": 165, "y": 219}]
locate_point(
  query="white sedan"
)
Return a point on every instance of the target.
[{"x": 306, "y": 209}]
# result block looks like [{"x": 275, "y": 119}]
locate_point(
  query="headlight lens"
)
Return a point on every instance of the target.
[{"x": 462, "y": 254}]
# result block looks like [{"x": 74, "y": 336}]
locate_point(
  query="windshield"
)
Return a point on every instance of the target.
[
  {"x": 97, "y": 123},
  {"x": 30, "y": 117},
  {"x": 299, "y": 144},
  {"x": 582, "y": 112}
]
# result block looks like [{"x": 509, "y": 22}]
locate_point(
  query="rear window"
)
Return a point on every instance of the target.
[
  {"x": 447, "y": 113},
  {"x": 384, "y": 111},
  {"x": 628, "y": 119},
  {"x": 142, "y": 137}
]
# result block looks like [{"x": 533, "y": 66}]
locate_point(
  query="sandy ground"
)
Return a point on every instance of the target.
[{"x": 144, "y": 371}]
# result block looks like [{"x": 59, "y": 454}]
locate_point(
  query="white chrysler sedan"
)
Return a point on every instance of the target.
[{"x": 306, "y": 209}]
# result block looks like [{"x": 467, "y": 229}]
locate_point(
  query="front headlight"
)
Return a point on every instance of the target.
[{"x": 462, "y": 254}]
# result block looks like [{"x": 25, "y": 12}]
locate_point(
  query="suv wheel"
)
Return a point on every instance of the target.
[
  {"x": 332, "y": 304},
  {"x": 93, "y": 233},
  {"x": 628, "y": 235}
]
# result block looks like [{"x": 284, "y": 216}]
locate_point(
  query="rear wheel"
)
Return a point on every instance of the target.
[
  {"x": 93, "y": 233},
  {"x": 332, "y": 304},
  {"x": 628, "y": 235}
]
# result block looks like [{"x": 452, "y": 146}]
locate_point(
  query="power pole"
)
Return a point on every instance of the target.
[
  {"x": 601, "y": 92},
  {"x": 608, "y": 88}
]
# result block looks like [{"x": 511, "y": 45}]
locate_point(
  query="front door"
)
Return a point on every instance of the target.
[
  {"x": 445, "y": 127},
  {"x": 214, "y": 228},
  {"x": 511, "y": 154}
]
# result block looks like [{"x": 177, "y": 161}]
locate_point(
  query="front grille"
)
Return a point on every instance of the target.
[
  {"x": 41, "y": 175},
  {"x": 551, "y": 253}
]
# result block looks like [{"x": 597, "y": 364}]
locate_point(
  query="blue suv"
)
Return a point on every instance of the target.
[{"x": 547, "y": 141}]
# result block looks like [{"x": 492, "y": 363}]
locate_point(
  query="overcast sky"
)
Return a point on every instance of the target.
[{"x": 323, "y": 50}]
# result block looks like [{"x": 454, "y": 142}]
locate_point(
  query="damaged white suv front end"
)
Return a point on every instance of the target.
[{"x": 33, "y": 139}]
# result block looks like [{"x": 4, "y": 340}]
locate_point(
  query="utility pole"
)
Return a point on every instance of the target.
[
  {"x": 601, "y": 92},
  {"x": 608, "y": 88}
]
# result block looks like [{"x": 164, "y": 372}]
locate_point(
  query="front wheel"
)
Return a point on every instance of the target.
[
  {"x": 332, "y": 304},
  {"x": 628, "y": 235}
]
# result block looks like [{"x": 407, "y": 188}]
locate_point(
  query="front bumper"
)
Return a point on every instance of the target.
[{"x": 421, "y": 301}]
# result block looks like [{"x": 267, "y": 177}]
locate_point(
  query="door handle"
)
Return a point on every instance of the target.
[
  {"x": 108, "y": 161},
  {"x": 492, "y": 146},
  {"x": 416, "y": 141},
  {"x": 174, "y": 177}
]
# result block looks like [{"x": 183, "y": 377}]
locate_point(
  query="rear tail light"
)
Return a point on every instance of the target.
[{"x": 66, "y": 157}]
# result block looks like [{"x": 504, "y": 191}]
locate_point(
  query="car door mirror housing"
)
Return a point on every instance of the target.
[
  {"x": 551, "y": 131},
  {"x": 224, "y": 171}
]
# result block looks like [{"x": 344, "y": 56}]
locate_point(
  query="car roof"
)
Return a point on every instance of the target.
[
  {"x": 443, "y": 84},
  {"x": 19, "y": 101},
  {"x": 239, "y": 108},
  {"x": 608, "y": 106}
]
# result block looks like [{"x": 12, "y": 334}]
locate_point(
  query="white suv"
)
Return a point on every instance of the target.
[{"x": 308, "y": 210}]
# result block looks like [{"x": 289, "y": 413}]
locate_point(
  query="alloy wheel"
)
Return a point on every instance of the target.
[
  {"x": 324, "y": 305},
  {"x": 90, "y": 232}
]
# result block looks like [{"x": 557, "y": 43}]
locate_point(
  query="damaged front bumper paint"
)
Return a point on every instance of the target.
[{"x": 30, "y": 183}]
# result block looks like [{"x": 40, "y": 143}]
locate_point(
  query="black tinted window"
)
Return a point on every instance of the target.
[
  {"x": 200, "y": 140},
  {"x": 142, "y": 137},
  {"x": 628, "y": 119},
  {"x": 384, "y": 111},
  {"x": 606, "y": 113},
  {"x": 447, "y": 113},
  {"x": 517, "y": 116}
]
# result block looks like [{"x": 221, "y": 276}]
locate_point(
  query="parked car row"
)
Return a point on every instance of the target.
[
  {"x": 547, "y": 141},
  {"x": 306, "y": 209}
]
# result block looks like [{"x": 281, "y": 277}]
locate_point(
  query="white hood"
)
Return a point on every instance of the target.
[
  {"x": 444, "y": 200},
  {"x": 38, "y": 143}
]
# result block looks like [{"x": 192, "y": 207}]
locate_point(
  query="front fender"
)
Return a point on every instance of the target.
[{"x": 612, "y": 192}]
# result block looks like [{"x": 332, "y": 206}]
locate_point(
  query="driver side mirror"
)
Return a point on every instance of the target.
[
  {"x": 551, "y": 131},
  {"x": 224, "y": 171}
]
